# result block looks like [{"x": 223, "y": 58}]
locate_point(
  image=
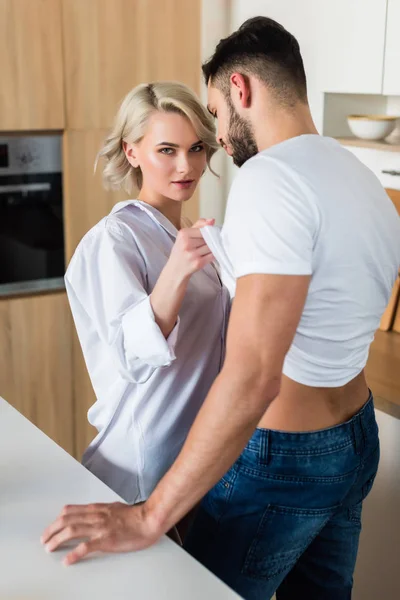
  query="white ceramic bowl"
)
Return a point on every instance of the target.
[{"x": 371, "y": 127}]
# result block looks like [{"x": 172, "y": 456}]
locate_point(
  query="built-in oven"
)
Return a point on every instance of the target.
[{"x": 31, "y": 210}]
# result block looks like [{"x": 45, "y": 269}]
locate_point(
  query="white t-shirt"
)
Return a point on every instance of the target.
[{"x": 307, "y": 206}]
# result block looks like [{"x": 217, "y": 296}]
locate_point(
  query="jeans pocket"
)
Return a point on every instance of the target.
[{"x": 283, "y": 535}]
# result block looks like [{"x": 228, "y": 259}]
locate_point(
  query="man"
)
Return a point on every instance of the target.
[{"x": 289, "y": 423}]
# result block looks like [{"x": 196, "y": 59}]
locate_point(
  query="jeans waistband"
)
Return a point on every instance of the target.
[{"x": 355, "y": 431}]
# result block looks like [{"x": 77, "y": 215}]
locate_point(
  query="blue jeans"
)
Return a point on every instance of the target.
[{"x": 287, "y": 515}]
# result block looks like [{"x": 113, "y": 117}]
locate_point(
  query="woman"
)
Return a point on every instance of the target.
[{"x": 148, "y": 304}]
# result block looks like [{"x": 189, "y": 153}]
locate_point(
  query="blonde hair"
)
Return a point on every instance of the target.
[{"x": 131, "y": 122}]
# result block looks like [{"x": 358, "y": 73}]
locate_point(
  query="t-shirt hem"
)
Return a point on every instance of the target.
[
  {"x": 255, "y": 268},
  {"x": 321, "y": 382}
]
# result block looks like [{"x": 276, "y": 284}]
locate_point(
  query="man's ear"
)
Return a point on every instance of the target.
[
  {"x": 240, "y": 90},
  {"x": 131, "y": 153}
]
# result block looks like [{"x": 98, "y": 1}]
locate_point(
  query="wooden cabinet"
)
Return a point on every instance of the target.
[
  {"x": 84, "y": 398},
  {"x": 112, "y": 46},
  {"x": 391, "y": 80},
  {"x": 36, "y": 362},
  {"x": 85, "y": 203},
  {"x": 85, "y": 199},
  {"x": 90, "y": 52},
  {"x": 31, "y": 65}
]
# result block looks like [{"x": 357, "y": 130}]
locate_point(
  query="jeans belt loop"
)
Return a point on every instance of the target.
[{"x": 264, "y": 448}]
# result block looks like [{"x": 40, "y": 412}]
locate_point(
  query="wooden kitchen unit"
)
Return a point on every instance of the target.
[
  {"x": 36, "y": 362},
  {"x": 66, "y": 65},
  {"x": 31, "y": 65},
  {"x": 383, "y": 367},
  {"x": 110, "y": 47}
]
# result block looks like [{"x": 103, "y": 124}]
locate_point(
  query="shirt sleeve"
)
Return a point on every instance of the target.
[
  {"x": 271, "y": 222},
  {"x": 108, "y": 280}
]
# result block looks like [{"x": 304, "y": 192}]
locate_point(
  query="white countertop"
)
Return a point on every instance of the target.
[{"x": 36, "y": 479}]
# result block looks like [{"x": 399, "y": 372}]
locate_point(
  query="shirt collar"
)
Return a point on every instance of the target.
[{"x": 153, "y": 213}]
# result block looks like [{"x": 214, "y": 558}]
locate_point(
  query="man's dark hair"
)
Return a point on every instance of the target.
[{"x": 263, "y": 48}]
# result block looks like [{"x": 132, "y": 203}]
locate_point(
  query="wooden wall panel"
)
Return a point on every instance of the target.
[
  {"x": 85, "y": 199},
  {"x": 32, "y": 91},
  {"x": 36, "y": 362},
  {"x": 395, "y": 197},
  {"x": 84, "y": 398},
  {"x": 112, "y": 46}
]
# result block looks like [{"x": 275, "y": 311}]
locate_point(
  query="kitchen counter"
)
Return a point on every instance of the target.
[
  {"x": 29, "y": 288},
  {"x": 36, "y": 479}
]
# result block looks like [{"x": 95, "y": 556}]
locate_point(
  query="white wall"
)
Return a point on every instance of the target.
[{"x": 213, "y": 190}]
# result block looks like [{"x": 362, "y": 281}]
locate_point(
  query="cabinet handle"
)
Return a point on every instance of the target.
[{"x": 391, "y": 172}]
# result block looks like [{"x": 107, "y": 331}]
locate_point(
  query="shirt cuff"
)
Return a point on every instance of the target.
[{"x": 144, "y": 340}]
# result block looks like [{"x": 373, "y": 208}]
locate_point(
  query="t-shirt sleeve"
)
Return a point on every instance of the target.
[{"x": 271, "y": 221}]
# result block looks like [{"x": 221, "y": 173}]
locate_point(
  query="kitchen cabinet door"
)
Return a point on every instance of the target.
[
  {"x": 304, "y": 20},
  {"x": 31, "y": 65},
  {"x": 36, "y": 362},
  {"x": 342, "y": 42},
  {"x": 111, "y": 46},
  {"x": 84, "y": 398},
  {"x": 85, "y": 203},
  {"x": 85, "y": 199},
  {"x": 354, "y": 46},
  {"x": 391, "y": 79}
]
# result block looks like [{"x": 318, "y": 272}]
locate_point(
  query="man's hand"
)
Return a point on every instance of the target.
[{"x": 112, "y": 527}]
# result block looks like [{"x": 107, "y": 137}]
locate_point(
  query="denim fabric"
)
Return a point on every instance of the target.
[{"x": 287, "y": 515}]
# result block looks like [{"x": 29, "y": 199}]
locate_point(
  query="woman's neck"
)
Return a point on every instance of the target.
[{"x": 171, "y": 209}]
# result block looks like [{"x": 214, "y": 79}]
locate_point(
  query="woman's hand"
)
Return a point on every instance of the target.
[{"x": 190, "y": 253}]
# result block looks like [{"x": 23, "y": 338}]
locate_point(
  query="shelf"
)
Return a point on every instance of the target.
[{"x": 373, "y": 145}]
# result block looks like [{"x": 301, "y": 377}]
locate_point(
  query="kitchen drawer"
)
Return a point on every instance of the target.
[{"x": 379, "y": 161}]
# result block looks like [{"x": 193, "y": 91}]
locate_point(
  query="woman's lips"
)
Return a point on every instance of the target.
[{"x": 184, "y": 184}]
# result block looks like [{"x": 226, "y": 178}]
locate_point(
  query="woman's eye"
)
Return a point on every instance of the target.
[
  {"x": 166, "y": 151},
  {"x": 197, "y": 148}
]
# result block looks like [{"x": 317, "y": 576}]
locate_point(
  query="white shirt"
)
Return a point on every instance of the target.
[
  {"x": 307, "y": 206},
  {"x": 148, "y": 389}
]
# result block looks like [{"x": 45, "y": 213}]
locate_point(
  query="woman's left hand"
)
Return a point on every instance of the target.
[{"x": 114, "y": 527}]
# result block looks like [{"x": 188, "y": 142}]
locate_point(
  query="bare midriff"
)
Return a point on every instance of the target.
[{"x": 300, "y": 408}]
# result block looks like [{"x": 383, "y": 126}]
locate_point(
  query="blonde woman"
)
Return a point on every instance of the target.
[{"x": 148, "y": 305}]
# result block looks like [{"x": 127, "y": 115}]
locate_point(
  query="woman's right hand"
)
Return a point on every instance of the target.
[{"x": 190, "y": 253}]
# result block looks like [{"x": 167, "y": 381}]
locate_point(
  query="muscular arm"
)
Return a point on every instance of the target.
[{"x": 264, "y": 318}]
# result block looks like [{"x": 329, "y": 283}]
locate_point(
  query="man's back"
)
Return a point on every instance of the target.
[{"x": 307, "y": 206}]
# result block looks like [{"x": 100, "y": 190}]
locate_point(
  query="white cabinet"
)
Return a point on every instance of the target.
[
  {"x": 354, "y": 47},
  {"x": 342, "y": 41},
  {"x": 391, "y": 80},
  {"x": 302, "y": 18}
]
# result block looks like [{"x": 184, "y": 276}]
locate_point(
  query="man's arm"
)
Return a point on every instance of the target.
[
  {"x": 263, "y": 322},
  {"x": 264, "y": 318}
]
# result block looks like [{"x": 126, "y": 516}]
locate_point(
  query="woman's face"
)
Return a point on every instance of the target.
[{"x": 170, "y": 155}]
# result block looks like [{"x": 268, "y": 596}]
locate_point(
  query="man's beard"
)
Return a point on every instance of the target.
[{"x": 240, "y": 138}]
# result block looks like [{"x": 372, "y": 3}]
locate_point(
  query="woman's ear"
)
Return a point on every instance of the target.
[{"x": 131, "y": 153}]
